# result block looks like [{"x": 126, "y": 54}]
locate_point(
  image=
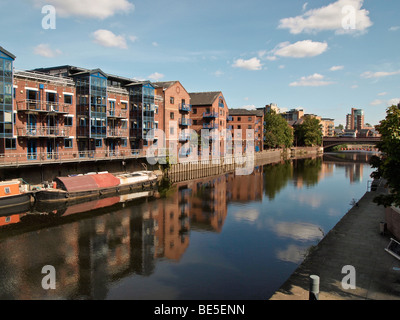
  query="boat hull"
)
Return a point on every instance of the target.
[
  {"x": 15, "y": 204},
  {"x": 57, "y": 195}
]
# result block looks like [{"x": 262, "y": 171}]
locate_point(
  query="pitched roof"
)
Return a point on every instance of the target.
[
  {"x": 8, "y": 53},
  {"x": 164, "y": 84},
  {"x": 245, "y": 112},
  {"x": 203, "y": 98}
]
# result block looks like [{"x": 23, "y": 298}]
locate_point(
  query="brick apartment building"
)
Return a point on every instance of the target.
[
  {"x": 173, "y": 113},
  {"x": 209, "y": 111},
  {"x": 248, "y": 119}
]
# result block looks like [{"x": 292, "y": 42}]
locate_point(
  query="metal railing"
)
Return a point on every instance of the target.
[
  {"x": 121, "y": 133},
  {"x": 185, "y": 122},
  {"x": 117, "y": 114},
  {"x": 211, "y": 114},
  {"x": 43, "y": 131},
  {"x": 185, "y": 107},
  {"x": 42, "y": 106}
]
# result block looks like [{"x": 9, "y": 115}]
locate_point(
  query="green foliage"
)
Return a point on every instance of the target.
[
  {"x": 388, "y": 165},
  {"x": 309, "y": 133},
  {"x": 277, "y": 132}
]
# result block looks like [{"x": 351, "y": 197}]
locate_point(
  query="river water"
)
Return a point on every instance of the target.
[{"x": 226, "y": 237}]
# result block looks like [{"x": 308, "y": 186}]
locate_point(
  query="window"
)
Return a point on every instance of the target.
[
  {"x": 194, "y": 111},
  {"x": 68, "y": 121},
  {"x": 239, "y": 127},
  {"x": 195, "y": 122},
  {"x": 156, "y": 110},
  {"x": 171, "y": 130},
  {"x": 7, "y": 190},
  {"x": 239, "y": 119},
  {"x": 124, "y": 106},
  {"x": 11, "y": 143},
  {"x": 171, "y": 115},
  {"x": 249, "y": 119},
  {"x": 68, "y": 143},
  {"x": 67, "y": 99},
  {"x": 172, "y": 100},
  {"x": 249, "y": 127},
  {"x": 99, "y": 143},
  {"x": 124, "y": 142}
]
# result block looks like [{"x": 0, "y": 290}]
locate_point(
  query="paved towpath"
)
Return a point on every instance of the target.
[{"x": 356, "y": 241}]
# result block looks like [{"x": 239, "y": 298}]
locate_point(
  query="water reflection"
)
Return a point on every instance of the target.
[{"x": 97, "y": 245}]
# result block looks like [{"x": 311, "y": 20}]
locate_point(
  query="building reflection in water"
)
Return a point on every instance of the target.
[{"x": 96, "y": 244}]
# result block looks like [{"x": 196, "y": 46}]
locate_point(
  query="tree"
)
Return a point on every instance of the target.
[
  {"x": 388, "y": 164},
  {"x": 277, "y": 132},
  {"x": 309, "y": 133}
]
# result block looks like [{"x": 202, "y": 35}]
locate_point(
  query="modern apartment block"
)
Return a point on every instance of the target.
[
  {"x": 355, "y": 120},
  {"x": 328, "y": 127},
  {"x": 7, "y": 141},
  {"x": 243, "y": 119}
]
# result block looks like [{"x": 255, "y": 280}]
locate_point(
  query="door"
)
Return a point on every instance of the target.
[
  {"x": 32, "y": 149},
  {"x": 31, "y": 127}
]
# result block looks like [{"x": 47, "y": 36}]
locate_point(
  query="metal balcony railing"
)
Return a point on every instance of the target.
[
  {"x": 185, "y": 107},
  {"x": 43, "y": 106},
  {"x": 185, "y": 122},
  {"x": 210, "y": 126},
  {"x": 229, "y": 118},
  {"x": 117, "y": 133},
  {"x": 211, "y": 114},
  {"x": 123, "y": 114},
  {"x": 43, "y": 131}
]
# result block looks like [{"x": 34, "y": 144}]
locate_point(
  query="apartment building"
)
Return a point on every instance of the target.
[
  {"x": 355, "y": 120},
  {"x": 173, "y": 114},
  {"x": 209, "y": 111},
  {"x": 328, "y": 127},
  {"x": 68, "y": 112},
  {"x": 248, "y": 119}
]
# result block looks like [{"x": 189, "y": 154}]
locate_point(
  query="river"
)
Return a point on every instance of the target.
[{"x": 226, "y": 237}]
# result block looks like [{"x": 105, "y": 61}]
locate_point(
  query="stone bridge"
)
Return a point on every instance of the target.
[{"x": 329, "y": 142}]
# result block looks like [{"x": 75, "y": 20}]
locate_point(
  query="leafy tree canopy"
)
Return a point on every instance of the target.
[
  {"x": 388, "y": 165},
  {"x": 309, "y": 133},
  {"x": 277, "y": 132}
]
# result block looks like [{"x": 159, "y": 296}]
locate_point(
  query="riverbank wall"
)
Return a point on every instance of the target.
[
  {"x": 350, "y": 261},
  {"x": 45, "y": 172}
]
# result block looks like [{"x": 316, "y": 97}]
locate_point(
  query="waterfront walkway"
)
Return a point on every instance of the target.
[{"x": 357, "y": 241}]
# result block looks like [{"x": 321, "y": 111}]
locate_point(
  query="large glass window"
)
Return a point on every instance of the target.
[{"x": 6, "y": 99}]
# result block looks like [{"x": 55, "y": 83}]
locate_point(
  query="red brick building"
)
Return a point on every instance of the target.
[
  {"x": 248, "y": 119},
  {"x": 209, "y": 111}
]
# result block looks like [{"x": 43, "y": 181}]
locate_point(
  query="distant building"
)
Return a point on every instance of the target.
[
  {"x": 355, "y": 119},
  {"x": 328, "y": 127},
  {"x": 293, "y": 115}
]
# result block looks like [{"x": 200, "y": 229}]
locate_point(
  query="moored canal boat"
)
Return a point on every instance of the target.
[
  {"x": 13, "y": 197},
  {"x": 96, "y": 184}
]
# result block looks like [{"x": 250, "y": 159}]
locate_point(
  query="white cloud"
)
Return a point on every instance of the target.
[
  {"x": 300, "y": 49},
  {"x": 394, "y": 101},
  {"x": 44, "y": 50},
  {"x": 379, "y": 74},
  {"x": 100, "y": 9},
  {"x": 394, "y": 28},
  {"x": 106, "y": 38},
  {"x": 218, "y": 73},
  {"x": 251, "y": 64},
  {"x": 377, "y": 102},
  {"x": 336, "y": 68},
  {"x": 382, "y": 94},
  {"x": 155, "y": 44},
  {"x": 305, "y": 6},
  {"x": 249, "y": 107},
  {"x": 354, "y": 86},
  {"x": 315, "y": 80},
  {"x": 156, "y": 76},
  {"x": 330, "y": 17},
  {"x": 388, "y": 103}
]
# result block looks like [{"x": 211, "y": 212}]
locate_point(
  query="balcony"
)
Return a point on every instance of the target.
[
  {"x": 184, "y": 137},
  {"x": 122, "y": 114},
  {"x": 229, "y": 118},
  {"x": 43, "y": 106},
  {"x": 43, "y": 131},
  {"x": 117, "y": 133},
  {"x": 185, "y": 107},
  {"x": 185, "y": 122},
  {"x": 210, "y": 125},
  {"x": 211, "y": 114}
]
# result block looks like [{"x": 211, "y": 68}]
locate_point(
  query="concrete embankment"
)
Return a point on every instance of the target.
[{"x": 355, "y": 241}]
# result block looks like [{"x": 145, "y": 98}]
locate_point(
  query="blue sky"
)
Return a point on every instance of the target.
[{"x": 323, "y": 56}]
